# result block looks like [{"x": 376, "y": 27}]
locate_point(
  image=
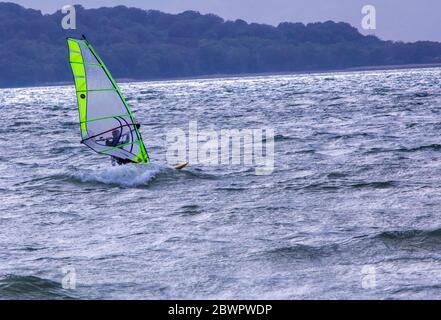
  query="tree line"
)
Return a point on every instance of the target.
[{"x": 148, "y": 44}]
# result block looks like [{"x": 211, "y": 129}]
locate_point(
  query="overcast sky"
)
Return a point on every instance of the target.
[{"x": 407, "y": 20}]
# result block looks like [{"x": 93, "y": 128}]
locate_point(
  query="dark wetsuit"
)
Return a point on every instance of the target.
[
  {"x": 115, "y": 141},
  {"x": 120, "y": 161}
]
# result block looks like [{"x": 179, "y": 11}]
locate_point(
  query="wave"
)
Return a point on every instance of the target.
[
  {"x": 410, "y": 234},
  {"x": 149, "y": 91},
  {"x": 429, "y": 147},
  {"x": 21, "y": 123},
  {"x": 280, "y": 137},
  {"x": 232, "y": 189},
  {"x": 13, "y": 287},
  {"x": 336, "y": 175},
  {"x": 336, "y": 183},
  {"x": 301, "y": 251},
  {"x": 126, "y": 176},
  {"x": 386, "y": 245},
  {"x": 433, "y": 147},
  {"x": 421, "y": 94},
  {"x": 192, "y": 209},
  {"x": 375, "y": 185},
  {"x": 409, "y": 289},
  {"x": 314, "y": 187},
  {"x": 135, "y": 175},
  {"x": 197, "y": 173}
]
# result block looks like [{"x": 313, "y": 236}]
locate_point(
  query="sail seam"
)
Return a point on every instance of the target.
[
  {"x": 96, "y": 90},
  {"x": 120, "y": 146},
  {"x": 107, "y": 131},
  {"x": 104, "y": 118},
  {"x": 86, "y": 64}
]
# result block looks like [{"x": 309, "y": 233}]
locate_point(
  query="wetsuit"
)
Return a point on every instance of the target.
[{"x": 115, "y": 141}]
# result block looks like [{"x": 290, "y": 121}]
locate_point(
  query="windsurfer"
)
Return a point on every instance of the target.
[{"x": 114, "y": 142}]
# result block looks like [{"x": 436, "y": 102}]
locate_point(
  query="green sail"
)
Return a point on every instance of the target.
[{"x": 106, "y": 122}]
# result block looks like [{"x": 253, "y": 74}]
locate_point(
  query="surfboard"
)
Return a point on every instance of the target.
[{"x": 182, "y": 166}]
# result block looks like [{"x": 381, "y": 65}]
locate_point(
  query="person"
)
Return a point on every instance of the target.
[
  {"x": 120, "y": 161},
  {"x": 114, "y": 142}
]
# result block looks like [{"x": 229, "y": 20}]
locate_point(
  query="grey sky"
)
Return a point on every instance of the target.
[{"x": 407, "y": 20}]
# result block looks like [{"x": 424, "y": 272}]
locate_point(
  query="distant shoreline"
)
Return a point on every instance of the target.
[{"x": 248, "y": 75}]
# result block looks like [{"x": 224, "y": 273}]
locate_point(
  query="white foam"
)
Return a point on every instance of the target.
[{"x": 126, "y": 175}]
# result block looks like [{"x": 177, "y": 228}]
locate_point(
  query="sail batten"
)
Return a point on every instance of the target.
[
  {"x": 95, "y": 90},
  {"x": 114, "y": 148},
  {"x": 87, "y": 64},
  {"x": 106, "y": 122},
  {"x": 104, "y": 118}
]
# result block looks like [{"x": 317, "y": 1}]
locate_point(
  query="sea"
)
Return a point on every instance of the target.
[{"x": 351, "y": 209}]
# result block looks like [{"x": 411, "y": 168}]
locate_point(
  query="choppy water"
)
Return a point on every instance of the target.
[{"x": 356, "y": 189}]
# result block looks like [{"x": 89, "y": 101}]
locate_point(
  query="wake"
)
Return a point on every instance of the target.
[{"x": 126, "y": 175}]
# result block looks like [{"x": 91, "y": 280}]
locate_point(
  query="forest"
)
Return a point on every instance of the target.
[{"x": 148, "y": 44}]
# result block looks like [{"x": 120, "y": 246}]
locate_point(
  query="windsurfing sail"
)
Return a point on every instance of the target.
[{"x": 106, "y": 122}]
